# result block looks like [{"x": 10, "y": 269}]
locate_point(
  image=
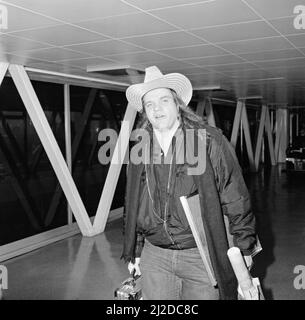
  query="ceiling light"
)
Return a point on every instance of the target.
[
  {"x": 115, "y": 70},
  {"x": 267, "y": 79},
  {"x": 250, "y": 97},
  {"x": 211, "y": 88}
]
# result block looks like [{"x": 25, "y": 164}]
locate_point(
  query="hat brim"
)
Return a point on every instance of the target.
[{"x": 176, "y": 81}]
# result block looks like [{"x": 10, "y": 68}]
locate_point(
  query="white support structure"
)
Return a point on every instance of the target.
[
  {"x": 270, "y": 139},
  {"x": 200, "y": 108},
  {"x": 40, "y": 122},
  {"x": 206, "y": 106},
  {"x": 260, "y": 137},
  {"x": 290, "y": 128},
  {"x": 246, "y": 130},
  {"x": 284, "y": 137},
  {"x": 241, "y": 122},
  {"x": 241, "y": 135},
  {"x": 3, "y": 70},
  {"x": 115, "y": 166},
  {"x": 278, "y": 134},
  {"x": 76, "y": 141},
  {"x": 272, "y": 120},
  {"x": 210, "y": 112},
  {"x": 114, "y": 170},
  {"x": 68, "y": 138},
  {"x": 236, "y": 123},
  {"x": 23, "y": 246},
  {"x": 281, "y": 137}
]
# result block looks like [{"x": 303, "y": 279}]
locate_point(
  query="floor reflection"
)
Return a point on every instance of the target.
[
  {"x": 75, "y": 268},
  {"x": 90, "y": 268}
]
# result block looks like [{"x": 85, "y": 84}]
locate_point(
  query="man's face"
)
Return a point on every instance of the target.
[{"x": 160, "y": 108}]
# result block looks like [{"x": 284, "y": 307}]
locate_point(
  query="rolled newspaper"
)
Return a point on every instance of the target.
[{"x": 249, "y": 287}]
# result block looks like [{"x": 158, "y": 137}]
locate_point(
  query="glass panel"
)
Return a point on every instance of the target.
[
  {"x": 106, "y": 111},
  {"x": 27, "y": 179},
  {"x": 224, "y": 118}
]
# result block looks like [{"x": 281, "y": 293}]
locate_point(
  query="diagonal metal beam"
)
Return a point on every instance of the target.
[
  {"x": 281, "y": 135},
  {"x": 106, "y": 104},
  {"x": 290, "y": 127},
  {"x": 83, "y": 123},
  {"x": 210, "y": 112},
  {"x": 246, "y": 129},
  {"x": 278, "y": 134},
  {"x": 270, "y": 139},
  {"x": 115, "y": 123},
  {"x": 40, "y": 148},
  {"x": 3, "y": 70},
  {"x": 68, "y": 138},
  {"x": 200, "y": 108},
  {"x": 114, "y": 170},
  {"x": 206, "y": 106},
  {"x": 18, "y": 184},
  {"x": 36, "y": 113},
  {"x": 25, "y": 139},
  {"x": 20, "y": 158},
  {"x": 260, "y": 136},
  {"x": 92, "y": 151},
  {"x": 236, "y": 123},
  {"x": 14, "y": 143},
  {"x": 76, "y": 142}
]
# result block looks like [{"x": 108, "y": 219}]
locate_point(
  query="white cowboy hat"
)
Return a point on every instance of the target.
[{"x": 155, "y": 79}]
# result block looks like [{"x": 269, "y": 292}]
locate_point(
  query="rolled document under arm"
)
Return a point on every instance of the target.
[
  {"x": 242, "y": 274},
  {"x": 250, "y": 287}
]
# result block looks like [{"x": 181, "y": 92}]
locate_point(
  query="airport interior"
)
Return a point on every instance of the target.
[{"x": 64, "y": 68}]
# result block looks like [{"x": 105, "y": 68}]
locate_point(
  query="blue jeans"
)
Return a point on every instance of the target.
[{"x": 174, "y": 275}]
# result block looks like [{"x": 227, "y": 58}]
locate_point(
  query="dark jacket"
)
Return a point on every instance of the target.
[{"x": 222, "y": 190}]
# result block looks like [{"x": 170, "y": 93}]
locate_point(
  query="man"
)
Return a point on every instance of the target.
[{"x": 158, "y": 241}]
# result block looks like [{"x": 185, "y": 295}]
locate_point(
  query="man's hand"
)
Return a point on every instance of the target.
[
  {"x": 135, "y": 266},
  {"x": 249, "y": 262}
]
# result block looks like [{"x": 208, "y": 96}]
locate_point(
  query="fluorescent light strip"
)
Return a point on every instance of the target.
[
  {"x": 66, "y": 75},
  {"x": 268, "y": 79}
]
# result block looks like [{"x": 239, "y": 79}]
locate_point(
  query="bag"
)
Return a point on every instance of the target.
[{"x": 130, "y": 289}]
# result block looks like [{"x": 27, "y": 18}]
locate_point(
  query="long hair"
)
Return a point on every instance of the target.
[{"x": 189, "y": 119}]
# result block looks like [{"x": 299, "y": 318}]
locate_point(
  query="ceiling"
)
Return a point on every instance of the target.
[{"x": 247, "y": 47}]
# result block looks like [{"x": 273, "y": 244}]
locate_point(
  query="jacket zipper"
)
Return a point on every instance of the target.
[
  {"x": 167, "y": 199},
  {"x": 165, "y": 228}
]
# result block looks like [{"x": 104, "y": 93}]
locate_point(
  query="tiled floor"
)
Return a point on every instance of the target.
[
  {"x": 279, "y": 204},
  {"x": 75, "y": 268},
  {"x": 90, "y": 268}
]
